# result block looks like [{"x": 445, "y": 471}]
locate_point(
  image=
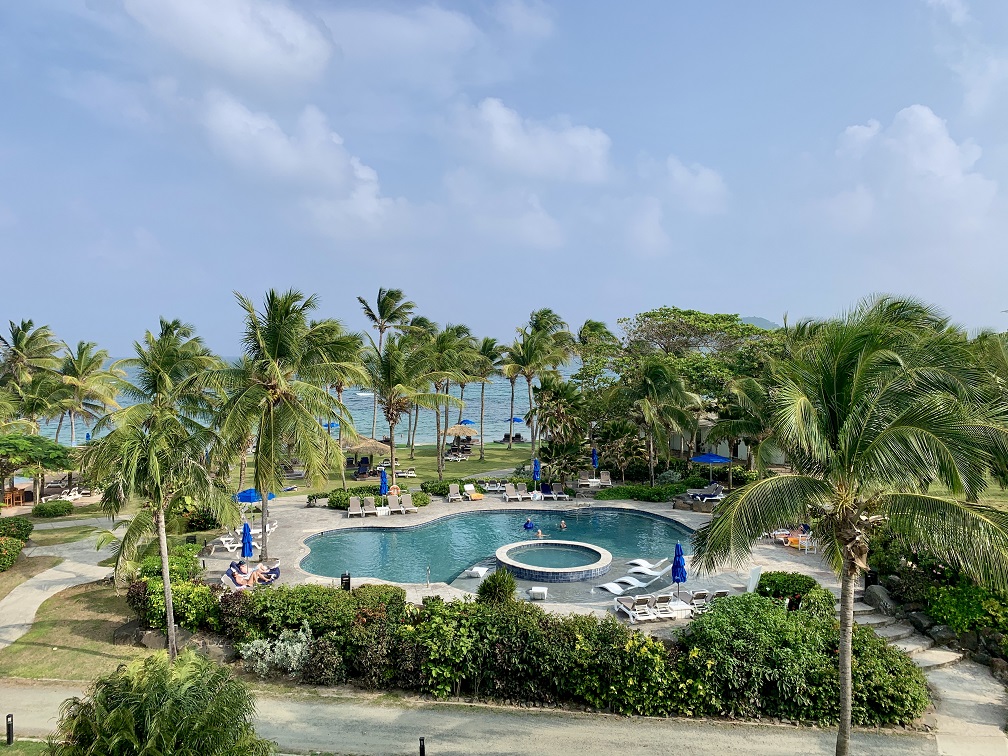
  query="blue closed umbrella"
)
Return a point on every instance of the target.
[
  {"x": 251, "y": 496},
  {"x": 595, "y": 458},
  {"x": 87, "y": 438},
  {"x": 246, "y": 541},
  {"x": 536, "y": 470},
  {"x": 383, "y": 487},
  {"x": 678, "y": 567}
]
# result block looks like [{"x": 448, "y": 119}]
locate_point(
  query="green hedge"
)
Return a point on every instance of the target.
[
  {"x": 746, "y": 657},
  {"x": 183, "y": 564},
  {"x": 340, "y": 499},
  {"x": 785, "y": 585},
  {"x": 10, "y": 548},
  {"x": 440, "y": 487},
  {"x": 642, "y": 492},
  {"x": 16, "y": 527},
  {"x": 56, "y": 508},
  {"x": 196, "y": 605}
]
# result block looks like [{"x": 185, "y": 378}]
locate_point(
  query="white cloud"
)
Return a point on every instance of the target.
[
  {"x": 956, "y": 10},
  {"x": 855, "y": 139},
  {"x": 523, "y": 19},
  {"x": 557, "y": 150},
  {"x": 697, "y": 187},
  {"x": 645, "y": 232},
  {"x": 914, "y": 177},
  {"x": 261, "y": 40}
]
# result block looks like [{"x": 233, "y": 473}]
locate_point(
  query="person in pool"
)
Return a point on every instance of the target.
[
  {"x": 529, "y": 525},
  {"x": 563, "y": 525}
]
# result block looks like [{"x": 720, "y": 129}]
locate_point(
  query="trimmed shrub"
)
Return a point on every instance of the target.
[
  {"x": 820, "y": 603},
  {"x": 56, "y": 508},
  {"x": 340, "y": 499},
  {"x": 421, "y": 498},
  {"x": 195, "y": 604},
  {"x": 282, "y": 657},
  {"x": 669, "y": 476},
  {"x": 786, "y": 585},
  {"x": 323, "y": 663},
  {"x": 10, "y": 549},
  {"x": 16, "y": 527},
  {"x": 182, "y": 565},
  {"x": 201, "y": 519},
  {"x": 497, "y": 588},
  {"x": 888, "y": 686},
  {"x": 440, "y": 487}
]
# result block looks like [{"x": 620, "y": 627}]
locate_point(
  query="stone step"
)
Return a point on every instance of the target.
[
  {"x": 859, "y": 608},
  {"x": 916, "y": 644},
  {"x": 894, "y": 632},
  {"x": 936, "y": 658},
  {"x": 874, "y": 620}
]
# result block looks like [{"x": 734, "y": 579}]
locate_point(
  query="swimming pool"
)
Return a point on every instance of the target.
[{"x": 453, "y": 543}]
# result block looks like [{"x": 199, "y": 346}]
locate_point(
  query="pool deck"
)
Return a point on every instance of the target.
[{"x": 297, "y": 522}]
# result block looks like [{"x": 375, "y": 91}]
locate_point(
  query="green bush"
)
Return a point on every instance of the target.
[
  {"x": 669, "y": 476},
  {"x": 183, "y": 564},
  {"x": 820, "y": 603},
  {"x": 196, "y": 605},
  {"x": 440, "y": 487},
  {"x": 749, "y": 657},
  {"x": 421, "y": 498},
  {"x": 201, "y": 519},
  {"x": 10, "y": 548},
  {"x": 785, "y": 585},
  {"x": 968, "y": 606},
  {"x": 16, "y": 527},
  {"x": 340, "y": 499},
  {"x": 497, "y": 588},
  {"x": 56, "y": 508},
  {"x": 323, "y": 663}
]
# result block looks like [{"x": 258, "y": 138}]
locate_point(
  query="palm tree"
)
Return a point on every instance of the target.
[
  {"x": 418, "y": 333},
  {"x": 486, "y": 365},
  {"x": 38, "y": 399},
  {"x": 530, "y": 354},
  {"x": 391, "y": 309},
  {"x": 871, "y": 410},
  {"x": 91, "y": 388},
  {"x": 621, "y": 442},
  {"x": 747, "y": 418},
  {"x": 192, "y": 707},
  {"x": 280, "y": 388},
  {"x": 399, "y": 378},
  {"x": 26, "y": 351},
  {"x": 443, "y": 355},
  {"x": 155, "y": 451}
]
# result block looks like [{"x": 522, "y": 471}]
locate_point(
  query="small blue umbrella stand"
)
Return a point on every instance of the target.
[
  {"x": 678, "y": 568},
  {"x": 536, "y": 471},
  {"x": 594, "y": 458},
  {"x": 246, "y": 541},
  {"x": 383, "y": 487}
]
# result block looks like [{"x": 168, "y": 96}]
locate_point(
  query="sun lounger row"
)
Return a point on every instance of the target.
[
  {"x": 396, "y": 505},
  {"x": 713, "y": 492},
  {"x": 586, "y": 480},
  {"x": 67, "y": 494},
  {"x": 664, "y": 605}
]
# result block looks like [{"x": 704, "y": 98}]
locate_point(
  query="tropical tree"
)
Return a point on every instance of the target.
[
  {"x": 443, "y": 354},
  {"x": 391, "y": 309},
  {"x": 748, "y": 419},
  {"x": 279, "y": 389},
  {"x": 400, "y": 378},
  {"x": 559, "y": 408},
  {"x": 192, "y": 707},
  {"x": 418, "y": 333},
  {"x": 529, "y": 355},
  {"x": 90, "y": 387},
  {"x": 30, "y": 453},
  {"x": 155, "y": 450},
  {"x": 619, "y": 440},
  {"x": 486, "y": 364},
  {"x": 26, "y": 351},
  {"x": 873, "y": 410}
]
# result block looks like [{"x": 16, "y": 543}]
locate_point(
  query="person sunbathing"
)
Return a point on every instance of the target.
[{"x": 243, "y": 575}]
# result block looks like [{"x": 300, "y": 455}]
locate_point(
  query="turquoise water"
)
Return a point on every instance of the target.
[
  {"x": 455, "y": 543},
  {"x": 554, "y": 556}
]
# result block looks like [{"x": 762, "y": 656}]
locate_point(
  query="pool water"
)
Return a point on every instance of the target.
[
  {"x": 454, "y": 543},
  {"x": 553, "y": 556}
]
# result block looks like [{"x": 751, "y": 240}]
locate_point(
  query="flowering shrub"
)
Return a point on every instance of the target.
[
  {"x": 10, "y": 548},
  {"x": 16, "y": 527}
]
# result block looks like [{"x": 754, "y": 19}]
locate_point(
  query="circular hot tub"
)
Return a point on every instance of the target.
[{"x": 554, "y": 561}]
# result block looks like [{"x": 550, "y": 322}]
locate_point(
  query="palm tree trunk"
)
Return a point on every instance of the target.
[
  {"x": 437, "y": 444},
  {"x": 73, "y": 431},
  {"x": 650, "y": 455},
  {"x": 374, "y": 397},
  {"x": 845, "y": 654},
  {"x": 409, "y": 424},
  {"x": 264, "y": 551},
  {"x": 444, "y": 443},
  {"x": 391, "y": 431},
  {"x": 339, "y": 438},
  {"x": 243, "y": 464},
  {"x": 416, "y": 422},
  {"x": 461, "y": 399},
  {"x": 532, "y": 420},
  {"x": 59, "y": 429},
  {"x": 511, "y": 419},
  {"x": 169, "y": 608},
  {"x": 482, "y": 405}
]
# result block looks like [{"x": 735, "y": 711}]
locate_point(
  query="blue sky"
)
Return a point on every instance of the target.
[{"x": 495, "y": 157}]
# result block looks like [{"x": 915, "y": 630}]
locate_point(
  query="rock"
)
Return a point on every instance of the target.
[
  {"x": 920, "y": 620},
  {"x": 969, "y": 641},
  {"x": 703, "y": 506},
  {"x": 892, "y": 582},
  {"x": 913, "y": 606},
  {"x": 155, "y": 640},
  {"x": 999, "y": 668},
  {"x": 942, "y": 634},
  {"x": 681, "y": 504},
  {"x": 126, "y": 635},
  {"x": 878, "y": 597},
  {"x": 981, "y": 658}
]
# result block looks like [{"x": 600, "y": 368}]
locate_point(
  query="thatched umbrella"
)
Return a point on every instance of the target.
[
  {"x": 369, "y": 446},
  {"x": 460, "y": 430}
]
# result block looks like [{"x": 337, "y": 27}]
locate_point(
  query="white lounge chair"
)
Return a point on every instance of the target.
[
  {"x": 369, "y": 506},
  {"x": 523, "y": 492},
  {"x": 476, "y": 571},
  {"x": 604, "y": 480},
  {"x": 406, "y": 502},
  {"x": 470, "y": 492},
  {"x": 453, "y": 492},
  {"x": 355, "y": 507},
  {"x": 410, "y": 472},
  {"x": 637, "y": 609},
  {"x": 754, "y": 576},
  {"x": 649, "y": 572},
  {"x": 698, "y": 601},
  {"x": 623, "y": 584},
  {"x": 667, "y": 606},
  {"x": 584, "y": 479},
  {"x": 394, "y": 507},
  {"x": 510, "y": 492},
  {"x": 646, "y": 563}
]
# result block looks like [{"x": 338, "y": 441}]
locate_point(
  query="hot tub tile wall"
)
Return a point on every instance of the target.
[{"x": 562, "y": 577}]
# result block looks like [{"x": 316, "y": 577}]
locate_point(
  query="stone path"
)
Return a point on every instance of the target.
[
  {"x": 971, "y": 707},
  {"x": 79, "y": 565}
]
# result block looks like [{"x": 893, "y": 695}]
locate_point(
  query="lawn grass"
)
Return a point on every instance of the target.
[
  {"x": 71, "y": 638},
  {"x": 25, "y": 567},
  {"x": 61, "y": 535},
  {"x": 25, "y": 748},
  {"x": 497, "y": 457}
]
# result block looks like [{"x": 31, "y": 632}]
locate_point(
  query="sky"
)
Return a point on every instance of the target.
[{"x": 492, "y": 157}]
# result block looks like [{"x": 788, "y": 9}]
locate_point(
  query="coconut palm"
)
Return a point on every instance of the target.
[
  {"x": 443, "y": 354},
  {"x": 280, "y": 388},
  {"x": 26, "y": 351},
  {"x": 559, "y": 408},
  {"x": 155, "y": 451},
  {"x": 620, "y": 441},
  {"x": 419, "y": 332},
  {"x": 192, "y": 707},
  {"x": 91, "y": 388},
  {"x": 400, "y": 378},
  {"x": 871, "y": 410},
  {"x": 391, "y": 309},
  {"x": 533, "y": 352},
  {"x": 486, "y": 365},
  {"x": 747, "y": 418}
]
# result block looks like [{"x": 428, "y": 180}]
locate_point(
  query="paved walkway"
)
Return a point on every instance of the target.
[{"x": 79, "y": 565}]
